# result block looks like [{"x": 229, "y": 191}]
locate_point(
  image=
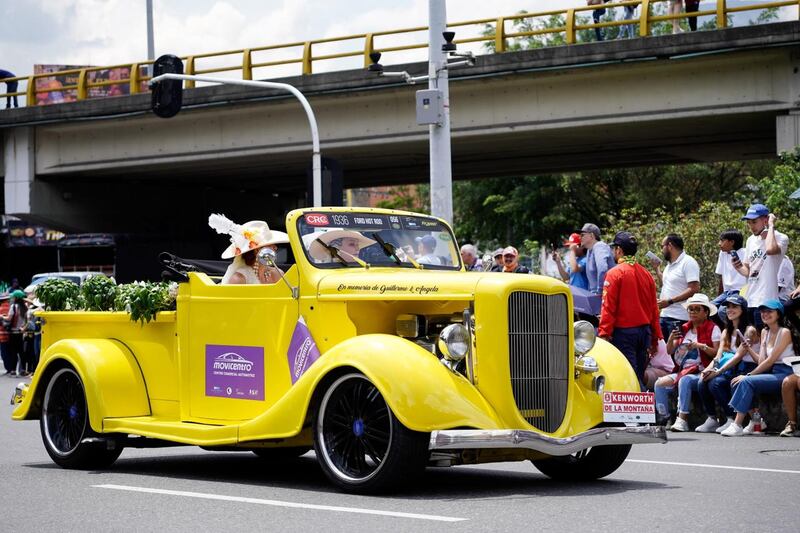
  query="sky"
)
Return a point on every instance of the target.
[{"x": 108, "y": 32}]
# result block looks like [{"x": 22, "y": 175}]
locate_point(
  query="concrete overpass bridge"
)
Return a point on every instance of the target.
[{"x": 110, "y": 165}]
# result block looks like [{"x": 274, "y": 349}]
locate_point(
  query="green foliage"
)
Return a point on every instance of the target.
[
  {"x": 699, "y": 228},
  {"x": 409, "y": 198},
  {"x": 143, "y": 300},
  {"x": 505, "y": 211},
  {"x": 99, "y": 293},
  {"x": 59, "y": 294}
]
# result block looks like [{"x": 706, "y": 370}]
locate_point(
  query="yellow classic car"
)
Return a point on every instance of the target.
[{"x": 376, "y": 349}]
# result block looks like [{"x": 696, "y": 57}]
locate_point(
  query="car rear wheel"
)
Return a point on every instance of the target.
[
  {"x": 360, "y": 444},
  {"x": 586, "y": 465},
  {"x": 65, "y": 426}
]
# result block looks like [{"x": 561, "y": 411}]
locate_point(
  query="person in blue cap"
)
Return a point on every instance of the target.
[
  {"x": 767, "y": 377},
  {"x": 764, "y": 253},
  {"x": 738, "y": 352}
]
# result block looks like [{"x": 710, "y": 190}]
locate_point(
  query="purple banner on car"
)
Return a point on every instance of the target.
[
  {"x": 303, "y": 350},
  {"x": 235, "y": 372}
]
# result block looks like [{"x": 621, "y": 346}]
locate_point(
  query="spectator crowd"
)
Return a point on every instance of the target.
[
  {"x": 720, "y": 351},
  {"x": 20, "y": 332}
]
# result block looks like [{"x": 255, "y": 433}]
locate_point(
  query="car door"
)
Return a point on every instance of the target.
[{"x": 236, "y": 345}]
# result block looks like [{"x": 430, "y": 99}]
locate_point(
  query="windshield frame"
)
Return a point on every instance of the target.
[{"x": 439, "y": 226}]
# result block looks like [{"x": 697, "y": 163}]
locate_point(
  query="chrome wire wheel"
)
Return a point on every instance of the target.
[
  {"x": 64, "y": 415},
  {"x": 354, "y": 429}
]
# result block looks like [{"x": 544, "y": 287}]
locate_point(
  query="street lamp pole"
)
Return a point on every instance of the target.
[
  {"x": 151, "y": 48},
  {"x": 440, "y": 159}
]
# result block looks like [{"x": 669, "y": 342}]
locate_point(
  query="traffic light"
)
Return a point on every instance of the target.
[{"x": 167, "y": 95}]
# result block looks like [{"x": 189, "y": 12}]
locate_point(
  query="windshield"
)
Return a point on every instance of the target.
[{"x": 342, "y": 240}]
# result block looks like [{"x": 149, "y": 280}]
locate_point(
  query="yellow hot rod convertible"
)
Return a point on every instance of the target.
[{"x": 382, "y": 354}]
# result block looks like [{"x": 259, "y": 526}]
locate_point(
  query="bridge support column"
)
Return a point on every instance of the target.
[
  {"x": 18, "y": 162},
  {"x": 787, "y": 131}
]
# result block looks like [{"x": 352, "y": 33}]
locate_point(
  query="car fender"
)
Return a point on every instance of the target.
[
  {"x": 423, "y": 393},
  {"x": 587, "y": 405},
  {"x": 112, "y": 380},
  {"x": 614, "y": 366}
]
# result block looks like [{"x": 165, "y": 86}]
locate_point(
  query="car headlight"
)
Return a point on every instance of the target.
[
  {"x": 454, "y": 342},
  {"x": 584, "y": 337}
]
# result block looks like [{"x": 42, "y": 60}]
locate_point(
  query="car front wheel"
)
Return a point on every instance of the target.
[
  {"x": 586, "y": 465},
  {"x": 360, "y": 444},
  {"x": 65, "y": 426}
]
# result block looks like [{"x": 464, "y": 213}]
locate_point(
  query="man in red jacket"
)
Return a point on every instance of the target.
[{"x": 629, "y": 315}]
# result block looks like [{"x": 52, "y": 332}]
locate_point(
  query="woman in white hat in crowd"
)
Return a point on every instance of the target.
[
  {"x": 692, "y": 347},
  {"x": 246, "y": 241}
]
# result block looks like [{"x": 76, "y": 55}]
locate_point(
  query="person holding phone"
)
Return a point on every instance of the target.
[
  {"x": 737, "y": 354},
  {"x": 692, "y": 346},
  {"x": 764, "y": 253},
  {"x": 575, "y": 273},
  {"x": 731, "y": 250}
]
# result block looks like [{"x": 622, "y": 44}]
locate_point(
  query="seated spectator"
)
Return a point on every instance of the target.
[
  {"x": 660, "y": 365},
  {"x": 692, "y": 346},
  {"x": 575, "y": 273},
  {"x": 511, "y": 263},
  {"x": 730, "y": 280},
  {"x": 738, "y": 351},
  {"x": 789, "y": 388},
  {"x": 767, "y": 377}
]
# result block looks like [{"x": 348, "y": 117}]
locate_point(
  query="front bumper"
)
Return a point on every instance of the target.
[{"x": 470, "y": 439}]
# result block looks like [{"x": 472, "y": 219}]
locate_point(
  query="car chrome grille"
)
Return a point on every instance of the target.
[{"x": 538, "y": 347}]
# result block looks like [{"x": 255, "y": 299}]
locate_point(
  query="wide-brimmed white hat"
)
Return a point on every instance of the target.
[
  {"x": 251, "y": 235},
  {"x": 318, "y": 252},
  {"x": 700, "y": 299}
]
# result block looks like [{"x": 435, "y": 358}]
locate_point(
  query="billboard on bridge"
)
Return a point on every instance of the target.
[{"x": 50, "y": 89}]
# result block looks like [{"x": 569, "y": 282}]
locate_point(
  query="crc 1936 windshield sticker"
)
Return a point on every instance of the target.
[{"x": 235, "y": 372}]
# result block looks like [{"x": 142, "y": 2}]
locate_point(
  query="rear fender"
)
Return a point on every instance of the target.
[{"x": 112, "y": 380}]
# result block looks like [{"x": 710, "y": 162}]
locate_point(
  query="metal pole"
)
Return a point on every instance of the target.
[
  {"x": 441, "y": 173},
  {"x": 151, "y": 53},
  {"x": 316, "y": 158}
]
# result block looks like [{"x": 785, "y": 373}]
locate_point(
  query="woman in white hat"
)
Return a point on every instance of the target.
[
  {"x": 692, "y": 346},
  {"x": 348, "y": 242},
  {"x": 246, "y": 241}
]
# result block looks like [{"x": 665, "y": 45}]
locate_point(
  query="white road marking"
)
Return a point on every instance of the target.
[
  {"x": 701, "y": 465},
  {"x": 278, "y": 503}
]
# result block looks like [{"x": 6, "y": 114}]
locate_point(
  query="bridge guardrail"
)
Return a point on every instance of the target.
[{"x": 573, "y": 22}]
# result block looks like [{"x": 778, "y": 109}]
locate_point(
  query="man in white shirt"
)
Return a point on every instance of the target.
[
  {"x": 680, "y": 279},
  {"x": 764, "y": 253},
  {"x": 730, "y": 281}
]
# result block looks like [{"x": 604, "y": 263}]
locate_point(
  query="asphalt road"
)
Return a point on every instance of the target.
[{"x": 695, "y": 482}]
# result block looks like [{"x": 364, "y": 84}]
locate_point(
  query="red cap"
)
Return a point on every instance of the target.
[{"x": 575, "y": 238}]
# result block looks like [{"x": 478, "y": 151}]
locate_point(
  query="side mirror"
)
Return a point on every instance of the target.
[{"x": 167, "y": 95}]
